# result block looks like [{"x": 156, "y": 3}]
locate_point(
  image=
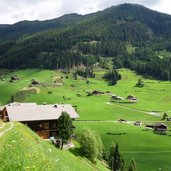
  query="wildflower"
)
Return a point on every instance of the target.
[{"x": 13, "y": 141}]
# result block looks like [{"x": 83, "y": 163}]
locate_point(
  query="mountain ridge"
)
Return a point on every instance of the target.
[
  {"x": 13, "y": 31},
  {"x": 110, "y": 30}
]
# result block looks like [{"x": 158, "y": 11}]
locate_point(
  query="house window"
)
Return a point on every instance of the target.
[
  {"x": 41, "y": 125},
  {"x": 54, "y": 125},
  {"x": 53, "y": 134},
  {"x": 46, "y": 125}
]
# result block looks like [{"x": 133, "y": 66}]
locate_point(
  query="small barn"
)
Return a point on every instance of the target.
[
  {"x": 131, "y": 97},
  {"x": 115, "y": 97},
  {"x": 168, "y": 119},
  {"x": 34, "y": 82},
  {"x": 96, "y": 92},
  {"x": 160, "y": 128},
  {"x": 122, "y": 120},
  {"x": 14, "y": 78},
  {"x": 137, "y": 123}
]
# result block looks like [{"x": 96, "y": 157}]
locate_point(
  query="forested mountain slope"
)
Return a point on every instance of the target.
[
  {"x": 16, "y": 30},
  {"x": 102, "y": 34}
]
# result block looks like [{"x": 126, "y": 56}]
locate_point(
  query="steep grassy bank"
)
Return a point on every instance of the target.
[{"x": 22, "y": 149}]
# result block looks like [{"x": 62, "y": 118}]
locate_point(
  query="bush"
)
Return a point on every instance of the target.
[
  {"x": 112, "y": 76},
  {"x": 91, "y": 145},
  {"x": 140, "y": 83}
]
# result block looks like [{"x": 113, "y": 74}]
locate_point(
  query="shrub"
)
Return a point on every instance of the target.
[
  {"x": 91, "y": 145},
  {"x": 140, "y": 83},
  {"x": 112, "y": 76}
]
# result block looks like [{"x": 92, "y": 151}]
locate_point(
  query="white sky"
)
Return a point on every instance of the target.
[{"x": 12, "y": 11}]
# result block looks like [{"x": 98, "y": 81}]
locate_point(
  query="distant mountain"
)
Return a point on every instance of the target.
[
  {"x": 74, "y": 39},
  {"x": 121, "y": 15},
  {"x": 160, "y": 23},
  {"x": 16, "y": 30},
  {"x": 4, "y": 25}
]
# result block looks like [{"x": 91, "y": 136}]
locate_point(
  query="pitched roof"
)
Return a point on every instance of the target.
[
  {"x": 1, "y": 108},
  {"x": 160, "y": 124},
  {"x": 34, "y": 112}
]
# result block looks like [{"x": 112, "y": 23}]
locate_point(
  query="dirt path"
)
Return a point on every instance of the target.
[
  {"x": 100, "y": 121},
  {"x": 150, "y": 113},
  {"x": 113, "y": 121},
  {"x": 8, "y": 129},
  {"x": 3, "y": 124}
]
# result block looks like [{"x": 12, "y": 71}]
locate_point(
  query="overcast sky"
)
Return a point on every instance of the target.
[{"x": 12, "y": 11}]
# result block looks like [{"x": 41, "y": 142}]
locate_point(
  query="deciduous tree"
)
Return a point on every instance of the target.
[{"x": 91, "y": 145}]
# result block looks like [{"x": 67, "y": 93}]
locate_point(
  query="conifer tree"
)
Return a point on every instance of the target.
[
  {"x": 132, "y": 166},
  {"x": 65, "y": 127},
  {"x": 116, "y": 162}
]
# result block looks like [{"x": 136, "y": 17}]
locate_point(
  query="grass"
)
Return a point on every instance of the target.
[
  {"x": 164, "y": 54},
  {"x": 6, "y": 126},
  {"x": 154, "y": 91},
  {"x": 21, "y": 149},
  {"x": 154, "y": 96},
  {"x": 130, "y": 48},
  {"x": 1, "y": 123},
  {"x": 149, "y": 150},
  {"x": 8, "y": 89}
]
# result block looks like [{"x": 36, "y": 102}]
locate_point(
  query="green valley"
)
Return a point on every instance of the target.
[
  {"x": 98, "y": 83},
  {"x": 101, "y": 114}
]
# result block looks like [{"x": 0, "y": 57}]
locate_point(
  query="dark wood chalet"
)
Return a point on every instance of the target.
[
  {"x": 42, "y": 119},
  {"x": 160, "y": 128}
]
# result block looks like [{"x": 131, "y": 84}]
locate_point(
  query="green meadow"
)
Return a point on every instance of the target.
[{"x": 149, "y": 150}]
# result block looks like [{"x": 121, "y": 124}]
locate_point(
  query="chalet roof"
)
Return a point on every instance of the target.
[
  {"x": 137, "y": 122},
  {"x": 21, "y": 104},
  {"x": 1, "y": 108},
  {"x": 160, "y": 124},
  {"x": 33, "y": 112}
]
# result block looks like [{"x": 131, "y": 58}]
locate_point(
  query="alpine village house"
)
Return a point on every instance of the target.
[{"x": 42, "y": 119}]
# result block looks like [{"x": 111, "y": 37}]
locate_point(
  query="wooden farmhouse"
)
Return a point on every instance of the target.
[
  {"x": 14, "y": 78},
  {"x": 131, "y": 97},
  {"x": 42, "y": 119},
  {"x": 137, "y": 123},
  {"x": 114, "y": 97},
  {"x": 160, "y": 128}
]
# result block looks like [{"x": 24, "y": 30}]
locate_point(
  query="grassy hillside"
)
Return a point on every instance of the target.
[{"x": 21, "y": 149}]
